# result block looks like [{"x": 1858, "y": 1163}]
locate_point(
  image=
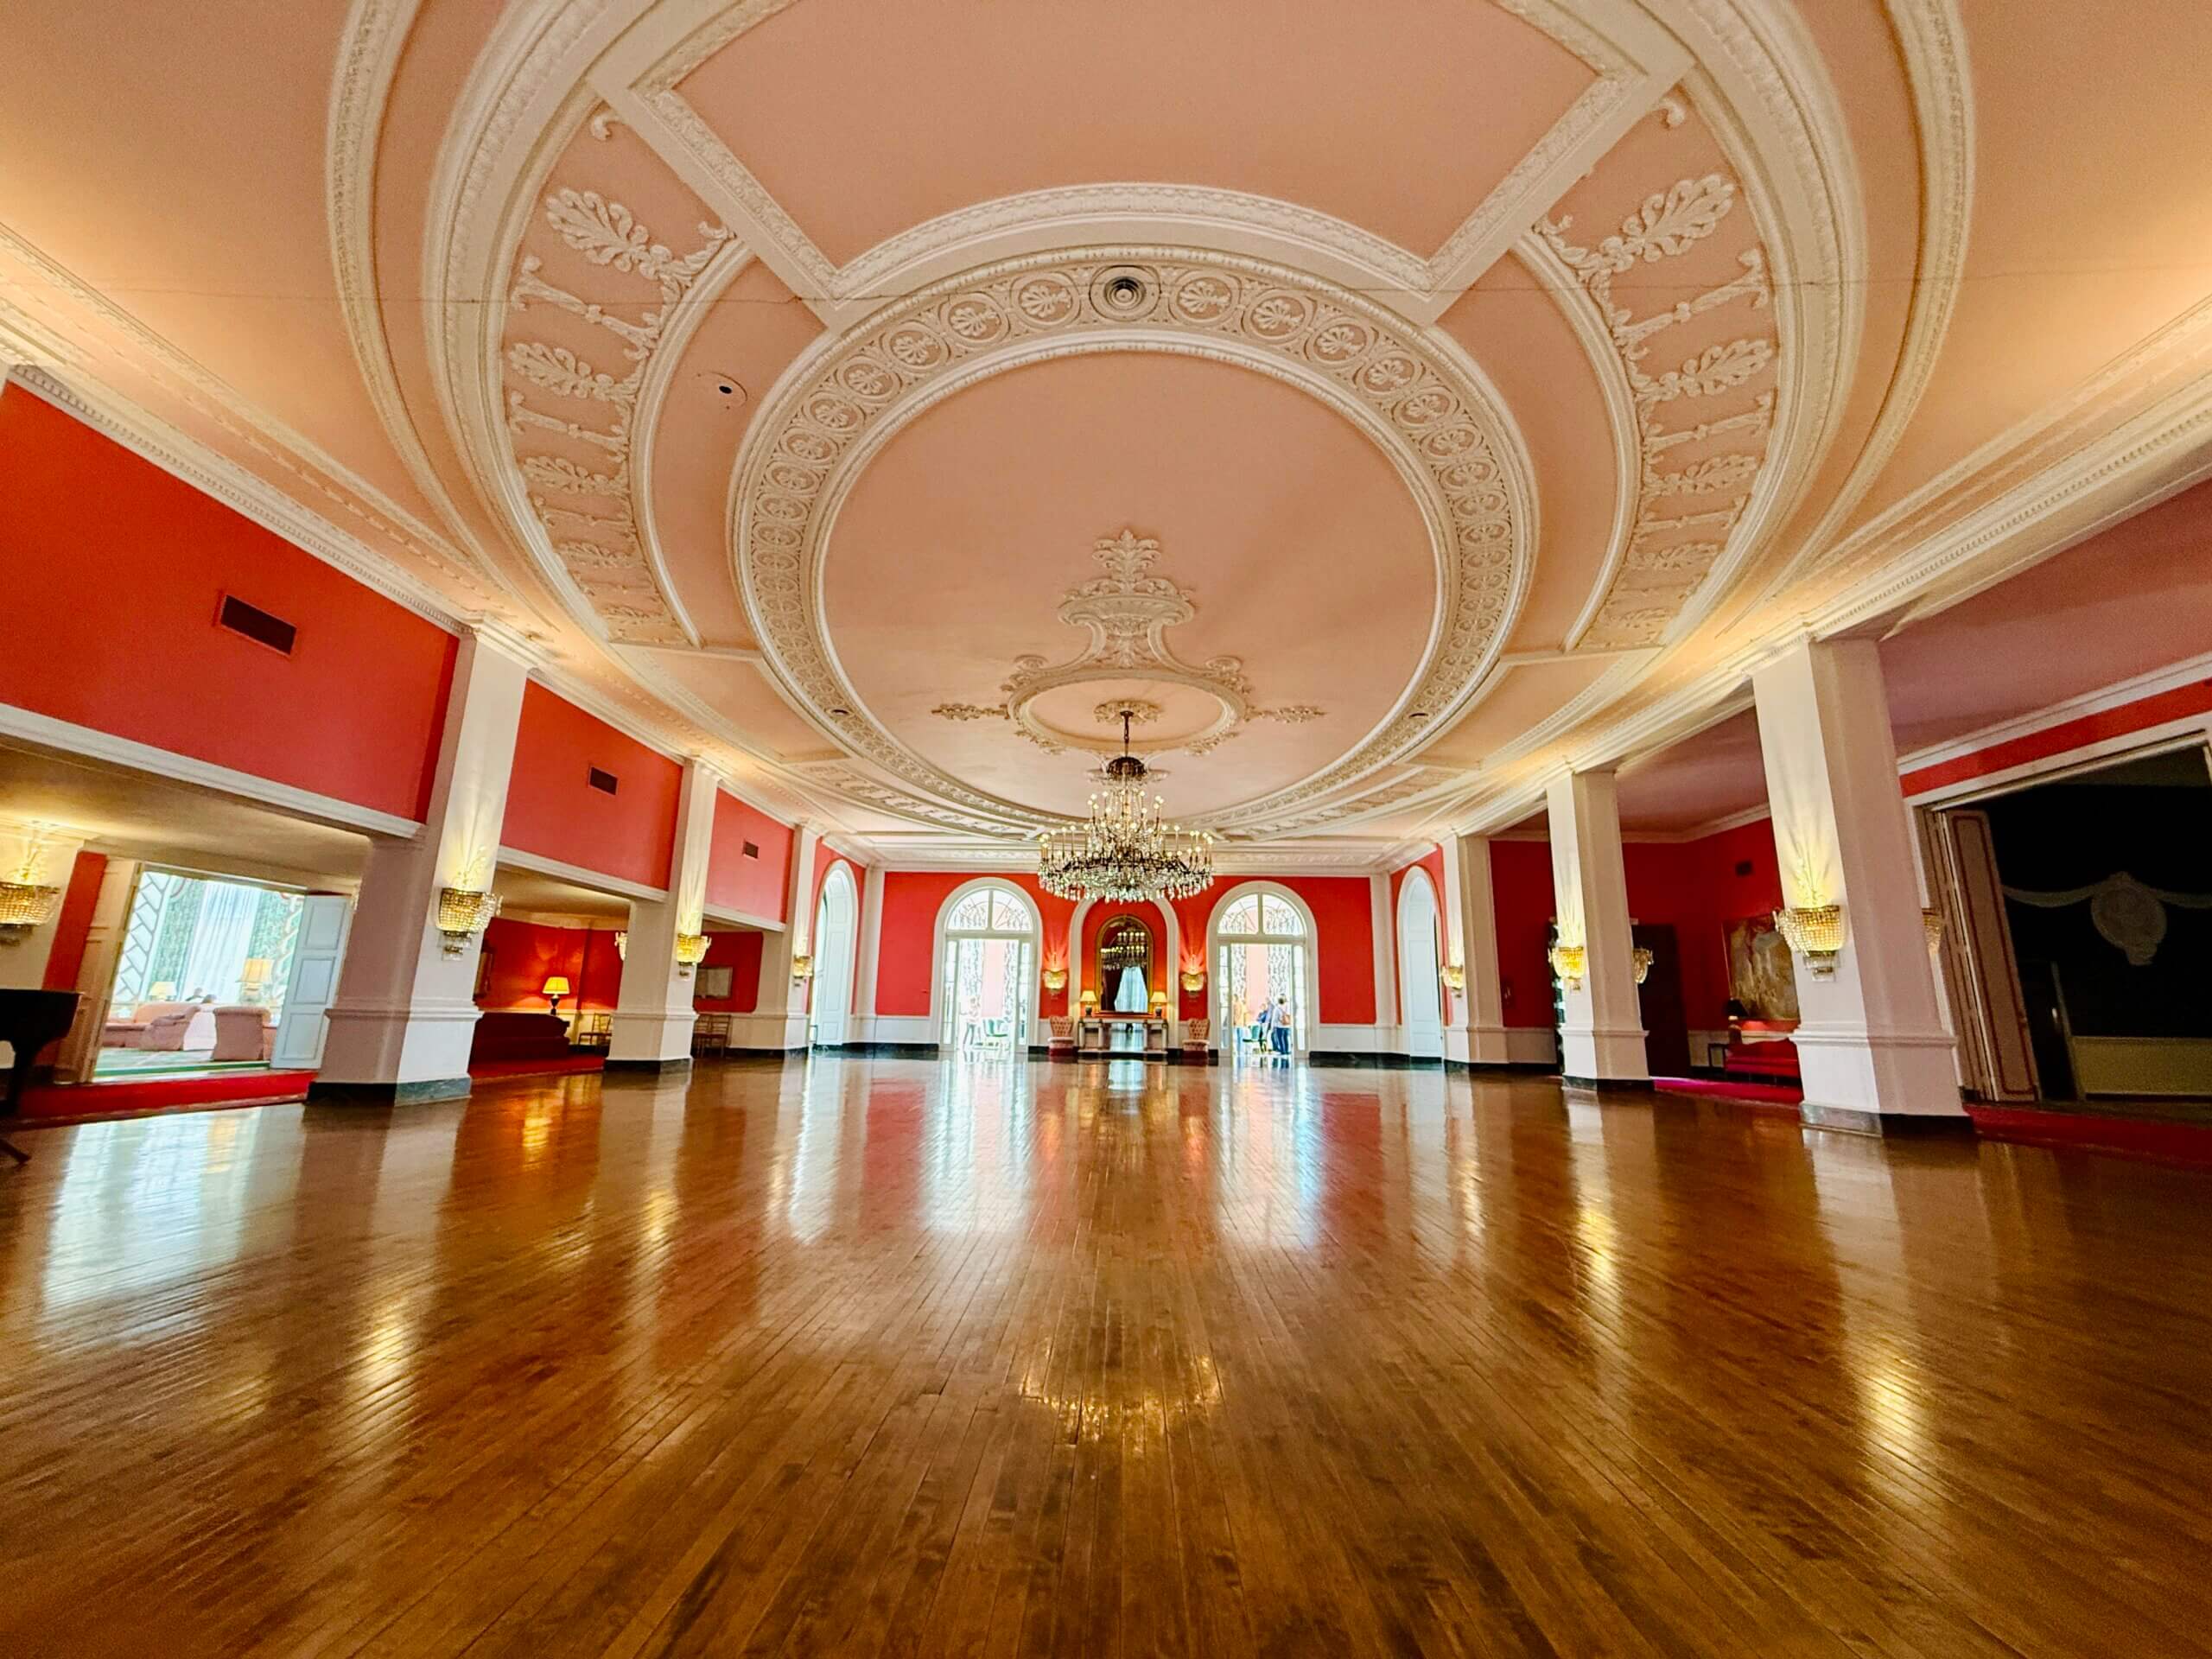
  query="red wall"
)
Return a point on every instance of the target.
[
  {"x": 554, "y": 812},
  {"x": 524, "y": 954},
  {"x": 756, "y": 887},
  {"x": 1521, "y": 888},
  {"x": 2179, "y": 703},
  {"x": 740, "y": 952},
  {"x": 73, "y": 925},
  {"x": 113, "y": 565},
  {"x": 911, "y": 899}
]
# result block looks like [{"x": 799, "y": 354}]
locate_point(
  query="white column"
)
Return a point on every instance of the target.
[
  {"x": 866, "y": 946},
  {"x": 779, "y": 1019},
  {"x": 45, "y": 858},
  {"x": 405, "y": 1011},
  {"x": 651, "y": 1027},
  {"x": 1870, "y": 1038},
  {"x": 1475, "y": 1035},
  {"x": 1389, "y": 1035},
  {"x": 1602, "y": 1038}
]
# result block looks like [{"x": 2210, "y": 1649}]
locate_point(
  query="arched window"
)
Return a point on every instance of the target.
[
  {"x": 1262, "y": 959},
  {"x": 987, "y": 981}
]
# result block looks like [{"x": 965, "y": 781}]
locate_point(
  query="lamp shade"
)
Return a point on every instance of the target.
[{"x": 556, "y": 985}]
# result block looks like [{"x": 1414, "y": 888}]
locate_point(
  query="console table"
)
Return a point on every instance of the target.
[{"x": 1094, "y": 1034}]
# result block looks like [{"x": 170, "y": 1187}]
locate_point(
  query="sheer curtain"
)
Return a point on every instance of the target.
[
  {"x": 1129, "y": 994},
  {"x": 217, "y": 958}
]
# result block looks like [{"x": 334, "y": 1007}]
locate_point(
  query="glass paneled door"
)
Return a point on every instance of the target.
[{"x": 987, "y": 992}]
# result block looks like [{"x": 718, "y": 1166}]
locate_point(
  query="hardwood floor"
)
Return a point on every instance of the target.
[{"x": 970, "y": 1359}]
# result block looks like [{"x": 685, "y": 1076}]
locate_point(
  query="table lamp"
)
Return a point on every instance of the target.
[
  {"x": 1089, "y": 999},
  {"x": 253, "y": 978},
  {"x": 1159, "y": 1002},
  {"x": 555, "y": 988}
]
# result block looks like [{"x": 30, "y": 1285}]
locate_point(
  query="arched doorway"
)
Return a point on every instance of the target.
[
  {"x": 985, "y": 996},
  {"x": 835, "y": 924},
  {"x": 1420, "y": 966},
  {"x": 1262, "y": 940}
]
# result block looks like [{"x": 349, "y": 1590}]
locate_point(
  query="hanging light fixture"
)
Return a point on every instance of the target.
[{"x": 1125, "y": 851}]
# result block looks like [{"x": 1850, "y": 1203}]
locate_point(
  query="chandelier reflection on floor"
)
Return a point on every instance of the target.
[{"x": 1125, "y": 851}]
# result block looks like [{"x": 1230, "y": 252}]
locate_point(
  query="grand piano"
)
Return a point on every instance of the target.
[{"x": 28, "y": 1021}]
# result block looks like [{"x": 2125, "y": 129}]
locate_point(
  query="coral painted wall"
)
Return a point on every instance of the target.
[
  {"x": 114, "y": 564},
  {"x": 2180, "y": 703},
  {"x": 1521, "y": 885},
  {"x": 755, "y": 887},
  {"x": 524, "y": 954},
  {"x": 1344, "y": 940},
  {"x": 73, "y": 925},
  {"x": 741, "y": 952},
  {"x": 552, "y": 810},
  {"x": 911, "y": 901}
]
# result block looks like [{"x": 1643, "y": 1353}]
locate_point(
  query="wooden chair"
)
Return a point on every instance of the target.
[
  {"x": 593, "y": 1030},
  {"x": 710, "y": 1034}
]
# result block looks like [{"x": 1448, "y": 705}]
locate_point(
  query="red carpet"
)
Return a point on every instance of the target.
[
  {"x": 485, "y": 1069},
  {"x": 79, "y": 1102},
  {"x": 1749, "y": 1094}
]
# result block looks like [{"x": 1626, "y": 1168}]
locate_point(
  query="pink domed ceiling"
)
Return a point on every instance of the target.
[{"x": 1493, "y": 377}]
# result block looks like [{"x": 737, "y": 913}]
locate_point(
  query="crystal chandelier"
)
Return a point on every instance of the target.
[{"x": 1125, "y": 851}]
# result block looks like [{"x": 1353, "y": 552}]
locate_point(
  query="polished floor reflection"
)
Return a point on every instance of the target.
[{"x": 889, "y": 1356}]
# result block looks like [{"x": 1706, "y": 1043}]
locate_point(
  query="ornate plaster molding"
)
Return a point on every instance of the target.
[
  {"x": 842, "y": 401},
  {"x": 1127, "y": 612}
]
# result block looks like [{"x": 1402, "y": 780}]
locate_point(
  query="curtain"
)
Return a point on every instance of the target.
[
  {"x": 217, "y": 955},
  {"x": 1129, "y": 994}
]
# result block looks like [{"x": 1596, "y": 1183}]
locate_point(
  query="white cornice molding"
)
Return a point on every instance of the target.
[
  {"x": 2156, "y": 682},
  {"x": 86, "y": 743}
]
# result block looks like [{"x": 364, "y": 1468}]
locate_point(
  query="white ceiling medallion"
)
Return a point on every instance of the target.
[
  {"x": 1127, "y": 612},
  {"x": 837, "y": 407}
]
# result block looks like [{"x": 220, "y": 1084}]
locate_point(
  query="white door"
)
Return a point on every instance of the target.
[
  {"x": 1420, "y": 969},
  {"x": 831, "y": 1000},
  {"x": 325, "y": 919}
]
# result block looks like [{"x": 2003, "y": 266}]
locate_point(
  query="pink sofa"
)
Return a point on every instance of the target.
[
  {"x": 241, "y": 1033},
  {"x": 158, "y": 1025}
]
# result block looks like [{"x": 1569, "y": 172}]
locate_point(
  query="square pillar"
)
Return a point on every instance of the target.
[
  {"x": 653, "y": 1016},
  {"x": 1602, "y": 1039},
  {"x": 779, "y": 1017},
  {"x": 1870, "y": 1040},
  {"x": 867, "y": 948},
  {"x": 1383, "y": 924},
  {"x": 1474, "y": 1031},
  {"x": 405, "y": 1012}
]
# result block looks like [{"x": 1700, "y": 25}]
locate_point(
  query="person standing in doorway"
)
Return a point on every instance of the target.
[{"x": 1278, "y": 1026}]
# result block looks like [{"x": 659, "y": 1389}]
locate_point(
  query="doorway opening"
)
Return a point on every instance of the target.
[
  {"x": 2078, "y": 936},
  {"x": 987, "y": 972},
  {"x": 1420, "y": 966},
  {"x": 1260, "y": 947},
  {"x": 205, "y": 979},
  {"x": 835, "y": 924}
]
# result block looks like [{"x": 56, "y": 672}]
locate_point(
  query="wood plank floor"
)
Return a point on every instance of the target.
[{"x": 902, "y": 1357}]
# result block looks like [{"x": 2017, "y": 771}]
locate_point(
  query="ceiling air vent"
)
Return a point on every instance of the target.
[
  {"x": 751, "y": 851},
  {"x": 253, "y": 623},
  {"x": 605, "y": 782}
]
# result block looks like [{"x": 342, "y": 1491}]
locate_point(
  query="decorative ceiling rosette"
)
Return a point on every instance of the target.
[{"x": 1412, "y": 395}]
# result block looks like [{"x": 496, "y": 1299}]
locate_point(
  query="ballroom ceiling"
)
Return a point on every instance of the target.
[{"x": 1383, "y": 408}]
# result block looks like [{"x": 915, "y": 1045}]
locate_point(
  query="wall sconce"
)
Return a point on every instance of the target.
[
  {"x": 1815, "y": 932},
  {"x": 1455, "y": 976},
  {"x": 463, "y": 915},
  {"x": 622, "y": 945},
  {"x": 1931, "y": 924},
  {"x": 1056, "y": 980},
  {"x": 802, "y": 966},
  {"x": 1568, "y": 962},
  {"x": 25, "y": 906},
  {"x": 1643, "y": 961},
  {"x": 690, "y": 951},
  {"x": 1194, "y": 980}
]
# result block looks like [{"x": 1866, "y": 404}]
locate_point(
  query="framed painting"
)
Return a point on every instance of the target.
[
  {"x": 1761, "y": 976},
  {"x": 483, "y": 970},
  {"x": 714, "y": 985}
]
